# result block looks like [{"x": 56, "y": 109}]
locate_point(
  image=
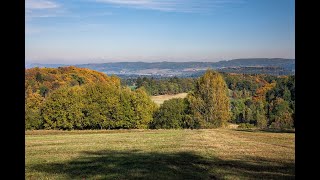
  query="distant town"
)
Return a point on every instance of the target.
[{"x": 275, "y": 66}]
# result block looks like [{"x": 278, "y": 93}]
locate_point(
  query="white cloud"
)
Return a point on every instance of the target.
[
  {"x": 41, "y": 9},
  {"x": 145, "y": 4},
  {"x": 136, "y": 2},
  {"x": 40, "y": 4},
  {"x": 172, "y": 5}
]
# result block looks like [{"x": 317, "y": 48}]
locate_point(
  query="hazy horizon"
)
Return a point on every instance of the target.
[
  {"x": 102, "y": 31},
  {"x": 135, "y": 61}
]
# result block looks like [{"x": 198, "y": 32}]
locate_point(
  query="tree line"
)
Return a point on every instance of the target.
[
  {"x": 78, "y": 98},
  {"x": 95, "y": 104},
  {"x": 162, "y": 86},
  {"x": 208, "y": 106},
  {"x": 261, "y": 101}
]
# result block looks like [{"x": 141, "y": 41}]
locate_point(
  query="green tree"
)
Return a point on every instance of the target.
[
  {"x": 171, "y": 114},
  {"x": 44, "y": 91},
  {"x": 281, "y": 114},
  {"x": 210, "y": 104},
  {"x": 102, "y": 105},
  {"x": 237, "y": 109},
  {"x": 63, "y": 109},
  {"x": 260, "y": 115},
  {"x": 249, "y": 113},
  {"x": 33, "y": 103},
  {"x": 144, "y": 108},
  {"x": 286, "y": 94},
  {"x": 39, "y": 77}
]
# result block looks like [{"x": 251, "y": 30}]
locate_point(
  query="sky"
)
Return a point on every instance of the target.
[{"x": 96, "y": 31}]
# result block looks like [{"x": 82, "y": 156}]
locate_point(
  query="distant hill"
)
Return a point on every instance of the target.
[
  {"x": 275, "y": 62},
  {"x": 273, "y": 70},
  {"x": 275, "y": 66}
]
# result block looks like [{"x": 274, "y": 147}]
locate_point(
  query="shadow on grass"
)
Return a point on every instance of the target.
[
  {"x": 184, "y": 165},
  {"x": 267, "y": 130}
]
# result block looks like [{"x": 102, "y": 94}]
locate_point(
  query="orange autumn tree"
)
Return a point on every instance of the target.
[
  {"x": 49, "y": 79},
  {"x": 260, "y": 94}
]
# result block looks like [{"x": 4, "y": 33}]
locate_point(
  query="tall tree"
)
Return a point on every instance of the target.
[
  {"x": 281, "y": 114},
  {"x": 210, "y": 102},
  {"x": 144, "y": 108},
  {"x": 260, "y": 115}
]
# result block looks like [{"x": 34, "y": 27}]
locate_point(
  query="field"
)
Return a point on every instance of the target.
[
  {"x": 161, "y": 98},
  {"x": 160, "y": 154}
]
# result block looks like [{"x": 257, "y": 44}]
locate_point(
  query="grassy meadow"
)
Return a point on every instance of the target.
[
  {"x": 161, "y": 98},
  {"x": 159, "y": 154}
]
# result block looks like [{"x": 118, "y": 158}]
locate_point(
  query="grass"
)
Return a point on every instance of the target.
[
  {"x": 159, "y": 154},
  {"x": 161, "y": 98}
]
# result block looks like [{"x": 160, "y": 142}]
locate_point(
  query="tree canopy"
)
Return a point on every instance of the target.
[
  {"x": 210, "y": 104},
  {"x": 78, "y": 98}
]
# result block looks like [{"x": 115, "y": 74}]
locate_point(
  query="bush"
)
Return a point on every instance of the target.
[
  {"x": 96, "y": 106},
  {"x": 171, "y": 115},
  {"x": 32, "y": 120},
  {"x": 245, "y": 126}
]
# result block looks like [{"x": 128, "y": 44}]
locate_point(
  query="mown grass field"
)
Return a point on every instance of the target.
[
  {"x": 161, "y": 98},
  {"x": 159, "y": 154}
]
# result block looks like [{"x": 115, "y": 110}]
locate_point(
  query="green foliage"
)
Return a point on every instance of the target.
[
  {"x": 245, "y": 126},
  {"x": 281, "y": 103},
  {"x": 43, "y": 91},
  {"x": 78, "y": 98},
  {"x": 144, "y": 108},
  {"x": 257, "y": 104},
  {"x": 39, "y": 77},
  {"x": 75, "y": 98},
  {"x": 172, "y": 114},
  {"x": 165, "y": 86},
  {"x": 33, "y": 118},
  {"x": 62, "y": 109},
  {"x": 79, "y": 80},
  {"x": 245, "y": 82},
  {"x": 237, "y": 109},
  {"x": 260, "y": 115},
  {"x": 281, "y": 114},
  {"x": 209, "y": 103},
  {"x": 97, "y": 106}
]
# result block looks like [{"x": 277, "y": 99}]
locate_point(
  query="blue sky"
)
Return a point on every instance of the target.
[{"x": 94, "y": 31}]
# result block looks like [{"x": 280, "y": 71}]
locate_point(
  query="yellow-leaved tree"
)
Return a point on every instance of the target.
[{"x": 209, "y": 103}]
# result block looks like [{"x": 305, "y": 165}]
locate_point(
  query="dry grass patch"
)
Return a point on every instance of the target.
[{"x": 161, "y": 98}]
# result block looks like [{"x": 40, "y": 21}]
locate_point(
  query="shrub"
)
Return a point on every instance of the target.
[
  {"x": 245, "y": 126},
  {"x": 171, "y": 114}
]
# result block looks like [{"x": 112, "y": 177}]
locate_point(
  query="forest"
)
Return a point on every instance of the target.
[{"x": 78, "y": 98}]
